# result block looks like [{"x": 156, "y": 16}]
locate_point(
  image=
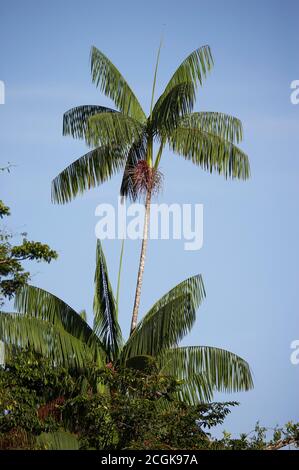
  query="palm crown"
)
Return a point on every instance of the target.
[
  {"x": 49, "y": 326},
  {"x": 125, "y": 136}
]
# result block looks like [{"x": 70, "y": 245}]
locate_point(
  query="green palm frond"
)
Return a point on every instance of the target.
[
  {"x": 110, "y": 81},
  {"x": 224, "y": 126},
  {"x": 210, "y": 152},
  {"x": 58, "y": 440},
  {"x": 38, "y": 303},
  {"x": 89, "y": 171},
  {"x": 171, "y": 107},
  {"x": 193, "y": 69},
  {"x": 112, "y": 129},
  {"x": 105, "y": 322},
  {"x": 168, "y": 321},
  {"x": 220, "y": 369},
  {"x": 83, "y": 315},
  {"x": 197, "y": 390},
  {"x": 44, "y": 338},
  {"x": 75, "y": 120},
  {"x": 136, "y": 153}
]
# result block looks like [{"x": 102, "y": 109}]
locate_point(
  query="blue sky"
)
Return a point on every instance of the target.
[{"x": 249, "y": 259}]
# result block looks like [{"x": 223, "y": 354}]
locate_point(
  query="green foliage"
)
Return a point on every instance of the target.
[
  {"x": 139, "y": 412},
  {"x": 4, "y": 210},
  {"x": 44, "y": 406},
  {"x": 12, "y": 273},
  {"x": 29, "y": 385}
]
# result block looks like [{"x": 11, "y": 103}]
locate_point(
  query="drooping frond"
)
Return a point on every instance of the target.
[
  {"x": 90, "y": 170},
  {"x": 168, "y": 321},
  {"x": 224, "y": 126},
  {"x": 171, "y": 107},
  {"x": 113, "y": 129},
  {"x": 110, "y": 81},
  {"x": 219, "y": 369},
  {"x": 75, "y": 120},
  {"x": 58, "y": 440},
  {"x": 136, "y": 153},
  {"x": 105, "y": 322},
  {"x": 45, "y": 338},
  {"x": 210, "y": 152},
  {"x": 38, "y": 303},
  {"x": 193, "y": 69}
]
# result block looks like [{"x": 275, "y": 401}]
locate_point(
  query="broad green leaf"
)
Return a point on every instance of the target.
[
  {"x": 38, "y": 303},
  {"x": 58, "y": 440},
  {"x": 45, "y": 338},
  {"x": 168, "y": 321}
]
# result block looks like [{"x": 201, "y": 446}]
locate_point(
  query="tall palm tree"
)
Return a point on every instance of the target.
[
  {"x": 124, "y": 138},
  {"x": 51, "y": 327}
]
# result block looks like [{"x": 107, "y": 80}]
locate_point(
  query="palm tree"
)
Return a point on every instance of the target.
[
  {"x": 125, "y": 138},
  {"x": 49, "y": 326}
]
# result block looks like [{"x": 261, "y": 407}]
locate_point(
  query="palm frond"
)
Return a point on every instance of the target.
[
  {"x": 88, "y": 171},
  {"x": 197, "y": 390},
  {"x": 38, "y": 303},
  {"x": 58, "y": 440},
  {"x": 45, "y": 338},
  {"x": 111, "y": 82},
  {"x": 113, "y": 129},
  {"x": 171, "y": 107},
  {"x": 168, "y": 321},
  {"x": 75, "y": 120},
  {"x": 193, "y": 69},
  {"x": 223, "y": 125},
  {"x": 217, "y": 369},
  {"x": 105, "y": 322},
  {"x": 83, "y": 315},
  {"x": 210, "y": 152}
]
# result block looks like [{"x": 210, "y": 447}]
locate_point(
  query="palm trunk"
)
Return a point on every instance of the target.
[{"x": 142, "y": 261}]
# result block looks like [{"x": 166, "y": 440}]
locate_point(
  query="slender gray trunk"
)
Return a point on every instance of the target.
[{"x": 141, "y": 262}]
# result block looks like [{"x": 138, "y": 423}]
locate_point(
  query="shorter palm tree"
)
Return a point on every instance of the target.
[{"x": 49, "y": 326}]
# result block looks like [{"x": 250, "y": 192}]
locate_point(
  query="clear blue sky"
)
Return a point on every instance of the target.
[{"x": 249, "y": 260}]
